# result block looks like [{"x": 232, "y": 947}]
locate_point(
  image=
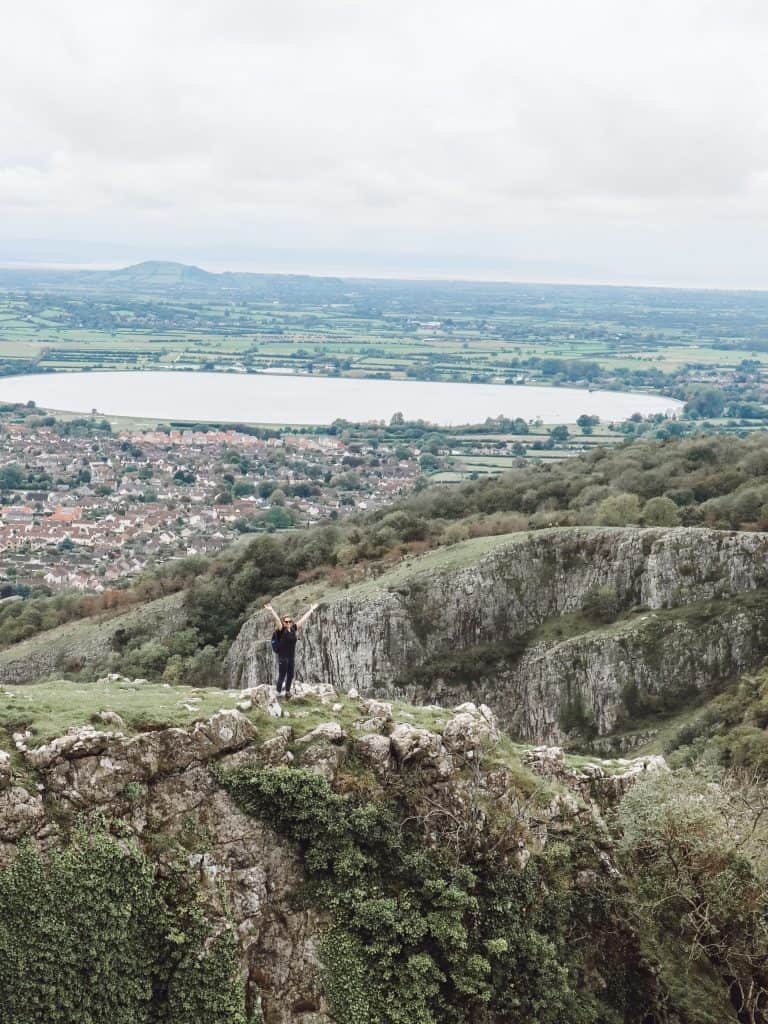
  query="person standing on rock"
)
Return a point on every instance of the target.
[{"x": 284, "y": 646}]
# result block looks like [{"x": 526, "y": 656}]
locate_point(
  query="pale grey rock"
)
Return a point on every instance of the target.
[
  {"x": 410, "y": 745},
  {"x": 373, "y": 638},
  {"x": 324, "y": 691},
  {"x": 263, "y": 697},
  {"x": 470, "y": 729},
  {"x": 6, "y": 773},
  {"x": 274, "y": 751},
  {"x": 111, "y": 718},
  {"x": 379, "y": 716},
  {"x": 91, "y": 767},
  {"x": 21, "y": 813},
  {"x": 322, "y": 759},
  {"x": 375, "y": 750},
  {"x": 593, "y": 782},
  {"x": 330, "y": 731},
  {"x": 379, "y": 709}
]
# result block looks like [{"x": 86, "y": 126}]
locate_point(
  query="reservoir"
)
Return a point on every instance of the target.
[{"x": 284, "y": 398}]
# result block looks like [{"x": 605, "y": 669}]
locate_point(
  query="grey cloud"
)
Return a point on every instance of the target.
[{"x": 492, "y": 126}]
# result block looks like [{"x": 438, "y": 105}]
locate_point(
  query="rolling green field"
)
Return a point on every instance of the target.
[{"x": 452, "y": 330}]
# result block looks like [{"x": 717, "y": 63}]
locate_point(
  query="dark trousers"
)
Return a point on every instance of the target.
[{"x": 284, "y": 674}]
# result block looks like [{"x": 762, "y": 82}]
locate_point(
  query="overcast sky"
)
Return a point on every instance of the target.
[{"x": 561, "y": 140}]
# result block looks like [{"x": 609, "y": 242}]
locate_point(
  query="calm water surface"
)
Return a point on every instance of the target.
[{"x": 273, "y": 398}]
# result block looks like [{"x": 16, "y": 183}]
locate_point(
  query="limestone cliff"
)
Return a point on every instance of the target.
[
  {"x": 165, "y": 788},
  {"x": 397, "y": 632}
]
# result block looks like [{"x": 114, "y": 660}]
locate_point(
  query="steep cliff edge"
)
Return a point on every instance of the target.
[
  {"x": 339, "y": 860},
  {"x": 182, "y": 795},
  {"x": 690, "y": 607}
]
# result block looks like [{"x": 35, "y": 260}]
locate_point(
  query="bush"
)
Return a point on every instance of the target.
[
  {"x": 618, "y": 510},
  {"x": 417, "y": 937},
  {"x": 601, "y": 605},
  {"x": 660, "y": 511},
  {"x": 695, "y": 852}
]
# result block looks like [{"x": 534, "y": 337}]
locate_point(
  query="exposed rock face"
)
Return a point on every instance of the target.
[
  {"x": 594, "y": 679},
  {"x": 162, "y": 783},
  {"x": 380, "y": 633},
  {"x": 592, "y": 781}
]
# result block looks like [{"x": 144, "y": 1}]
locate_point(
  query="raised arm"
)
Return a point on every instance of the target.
[
  {"x": 305, "y": 616},
  {"x": 275, "y": 616}
]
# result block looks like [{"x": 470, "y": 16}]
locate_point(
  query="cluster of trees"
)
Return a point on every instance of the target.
[{"x": 716, "y": 481}]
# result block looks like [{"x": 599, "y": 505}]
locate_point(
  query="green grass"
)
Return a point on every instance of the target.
[{"x": 50, "y": 708}]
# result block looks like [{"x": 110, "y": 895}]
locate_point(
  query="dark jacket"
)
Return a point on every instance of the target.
[{"x": 286, "y": 641}]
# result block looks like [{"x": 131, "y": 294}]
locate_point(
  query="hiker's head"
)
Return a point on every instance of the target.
[{"x": 287, "y": 620}]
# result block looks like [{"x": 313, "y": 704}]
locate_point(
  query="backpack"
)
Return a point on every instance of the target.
[{"x": 276, "y": 641}]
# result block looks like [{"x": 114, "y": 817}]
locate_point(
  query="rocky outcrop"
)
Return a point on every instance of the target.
[
  {"x": 380, "y": 634},
  {"x": 597, "y": 681},
  {"x": 593, "y": 782},
  {"x": 164, "y": 786}
]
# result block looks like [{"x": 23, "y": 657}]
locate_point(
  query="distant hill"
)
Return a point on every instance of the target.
[
  {"x": 159, "y": 273},
  {"x": 160, "y": 277}
]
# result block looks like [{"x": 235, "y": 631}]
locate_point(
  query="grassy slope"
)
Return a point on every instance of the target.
[{"x": 82, "y": 632}]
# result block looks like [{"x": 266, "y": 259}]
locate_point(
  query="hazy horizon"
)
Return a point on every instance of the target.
[{"x": 357, "y": 273}]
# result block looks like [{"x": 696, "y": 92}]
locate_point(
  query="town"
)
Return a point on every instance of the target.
[{"x": 84, "y": 507}]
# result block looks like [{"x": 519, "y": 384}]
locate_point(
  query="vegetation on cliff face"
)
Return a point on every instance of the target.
[
  {"x": 695, "y": 850},
  {"x": 437, "y": 891},
  {"x": 422, "y": 932},
  {"x": 94, "y": 934},
  {"x": 730, "y": 731}
]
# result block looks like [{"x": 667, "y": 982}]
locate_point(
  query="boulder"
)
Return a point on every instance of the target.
[
  {"x": 20, "y": 813},
  {"x": 5, "y": 770},
  {"x": 111, "y": 718},
  {"x": 324, "y": 691},
  {"x": 263, "y": 697},
  {"x": 375, "y": 750},
  {"x": 81, "y": 741},
  {"x": 330, "y": 731},
  {"x": 274, "y": 751},
  {"x": 378, "y": 716},
  {"x": 411, "y": 745},
  {"x": 594, "y": 782},
  {"x": 322, "y": 759},
  {"x": 226, "y": 730},
  {"x": 469, "y": 729}
]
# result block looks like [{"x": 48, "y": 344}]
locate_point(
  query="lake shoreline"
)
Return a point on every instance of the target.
[{"x": 212, "y": 396}]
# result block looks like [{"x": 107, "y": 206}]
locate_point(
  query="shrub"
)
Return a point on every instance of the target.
[
  {"x": 416, "y": 936},
  {"x": 660, "y": 511},
  {"x": 618, "y": 510},
  {"x": 695, "y": 851}
]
